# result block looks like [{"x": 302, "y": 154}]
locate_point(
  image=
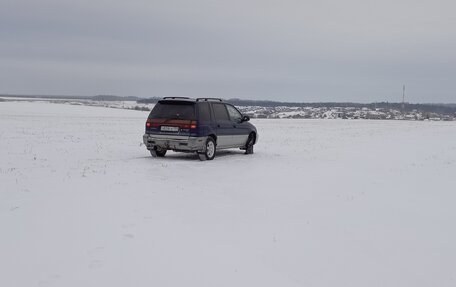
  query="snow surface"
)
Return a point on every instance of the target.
[{"x": 320, "y": 203}]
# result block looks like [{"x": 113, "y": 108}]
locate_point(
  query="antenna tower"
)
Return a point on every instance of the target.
[{"x": 403, "y": 98}]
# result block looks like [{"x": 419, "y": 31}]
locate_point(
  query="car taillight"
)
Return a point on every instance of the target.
[
  {"x": 183, "y": 124},
  {"x": 150, "y": 123},
  {"x": 187, "y": 125}
]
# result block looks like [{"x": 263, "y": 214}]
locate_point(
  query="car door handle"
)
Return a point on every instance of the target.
[
  {"x": 234, "y": 126},
  {"x": 218, "y": 126}
]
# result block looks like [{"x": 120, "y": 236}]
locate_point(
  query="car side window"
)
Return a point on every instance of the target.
[
  {"x": 220, "y": 112},
  {"x": 204, "y": 112},
  {"x": 235, "y": 115}
]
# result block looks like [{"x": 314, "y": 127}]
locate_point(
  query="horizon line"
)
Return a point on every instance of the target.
[{"x": 69, "y": 96}]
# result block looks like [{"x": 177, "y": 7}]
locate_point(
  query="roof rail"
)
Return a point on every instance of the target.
[
  {"x": 165, "y": 98},
  {"x": 208, "y": 99}
]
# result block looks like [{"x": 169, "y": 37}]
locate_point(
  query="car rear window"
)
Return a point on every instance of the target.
[{"x": 173, "y": 110}]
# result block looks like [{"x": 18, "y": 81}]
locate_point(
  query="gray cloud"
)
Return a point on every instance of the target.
[{"x": 279, "y": 50}]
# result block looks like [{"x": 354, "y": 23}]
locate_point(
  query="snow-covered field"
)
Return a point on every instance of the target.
[{"x": 320, "y": 203}]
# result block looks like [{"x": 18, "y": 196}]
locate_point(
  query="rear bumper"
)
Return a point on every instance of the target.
[{"x": 174, "y": 142}]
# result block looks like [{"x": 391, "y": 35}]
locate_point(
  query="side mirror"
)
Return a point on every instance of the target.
[{"x": 245, "y": 119}]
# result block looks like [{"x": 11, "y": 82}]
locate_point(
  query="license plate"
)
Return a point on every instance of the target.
[{"x": 169, "y": 129}]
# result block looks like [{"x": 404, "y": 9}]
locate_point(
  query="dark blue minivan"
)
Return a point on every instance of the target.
[{"x": 201, "y": 125}]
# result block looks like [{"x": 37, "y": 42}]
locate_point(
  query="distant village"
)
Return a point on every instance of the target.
[
  {"x": 342, "y": 113},
  {"x": 277, "y": 110}
]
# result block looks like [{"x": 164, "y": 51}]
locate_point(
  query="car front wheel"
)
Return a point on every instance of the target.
[
  {"x": 209, "y": 152},
  {"x": 249, "y": 144}
]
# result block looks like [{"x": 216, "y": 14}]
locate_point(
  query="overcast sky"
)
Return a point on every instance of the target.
[{"x": 289, "y": 50}]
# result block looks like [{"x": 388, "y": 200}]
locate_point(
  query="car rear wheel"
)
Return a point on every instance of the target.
[
  {"x": 209, "y": 152},
  {"x": 249, "y": 144},
  {"x": 157, "y": 152}
]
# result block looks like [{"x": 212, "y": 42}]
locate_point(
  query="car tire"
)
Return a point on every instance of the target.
[
  {"x": 155, "y": 152},
  {"x": 209, "y": 152},
  {"x": 249, "y": 144}
]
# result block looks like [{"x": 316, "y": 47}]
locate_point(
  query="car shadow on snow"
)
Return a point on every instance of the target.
[
  {"x": 194, "y": 156},
  {"x": 182, "y": 156}
]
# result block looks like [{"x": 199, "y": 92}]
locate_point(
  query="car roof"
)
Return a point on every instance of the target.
[{"x": 193, "y": 100}]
